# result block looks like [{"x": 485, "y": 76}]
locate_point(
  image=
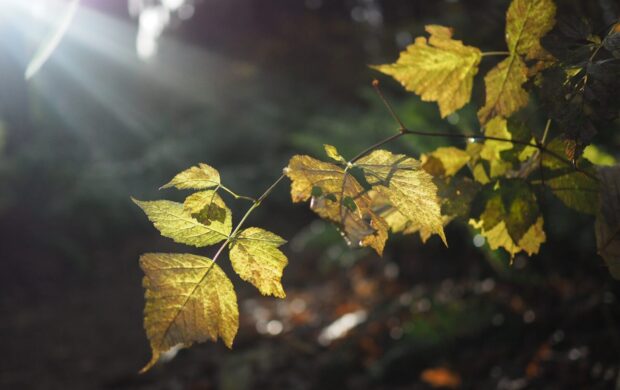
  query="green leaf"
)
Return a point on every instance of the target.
[
  {"x": 199, "y": 177},
  {"x": 575, "y": 189},
  {"x": 256, "y": 258},
  {"x": 407, "y": 187},
  {"x": 439, "y": 69},
  {"x": 174, "y": 222},
  {"x": 188, "y": 299}
]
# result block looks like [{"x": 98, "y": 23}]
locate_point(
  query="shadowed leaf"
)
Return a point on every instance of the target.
[
  {"x": 608, "y": 220},
  {"x": 174, "y": 222},
  {"x": 492, "y": 149},
  {"x": 445, "y": 161},
  {"x": 407, "y": 187},
  {"x": 360, "y": 226},
  {"x": 256, "y": 258},
  {"x": 209, "y": 209}
]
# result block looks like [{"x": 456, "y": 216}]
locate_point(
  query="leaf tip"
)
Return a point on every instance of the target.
[{"x": 150, "y": 364}]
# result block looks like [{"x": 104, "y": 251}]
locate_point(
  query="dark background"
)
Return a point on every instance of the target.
[{"x": 243, "y": 85}]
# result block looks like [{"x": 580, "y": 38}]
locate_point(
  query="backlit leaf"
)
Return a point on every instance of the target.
[
  {"x": 188, "y": 299},
  {"x": 199, "y": 177},
  {"x": 608, "y": 220},
  {"x": 526, "y": 22},
  {"x": 445, "y": 161},
  {"x": 209, "y": 209},
  {"x": 504, "y": 89},
  {"x": 327, "y": 186},
  {"x": 498, "y": 237},
  {"x": 492, "y": 149},
  {"x": 506, "y": 212},
  {"x": 173, "y": 221},
  {"x": 597, "y": 156},
  {"x": 256, "y": 258},
  {"x": 439, "y": 69},
  {"x": 396, "y": 221},
  {"x": 407, "y": 187},
  {"x": 332, "y": 153}
]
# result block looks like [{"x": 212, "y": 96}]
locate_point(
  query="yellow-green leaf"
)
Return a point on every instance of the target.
[
  {"x": 445, "y": 161},
  {"x": 199, "y": 177},
  {"x": 526, "y": 22},
  {"x": 209, "y": 209},
  {"x": 596, "y": 156},
  {"x": 332, "y": 153},
  {"x": 188, "y": 299},
  {"x": 491, "y": 149},
  {"x": 439, "y": 69},
  {"x": 174, "y": 222},
  {"x": 498, "y": 237},
  {"x": 256, "y": 258},
  {"x": 508, "y": 216},
  {"x": 504, "y": 89},
  {"x": 337, "y": 196},
  {"x": 407, "y": 187},
  {"x": 509, "y": 201}
]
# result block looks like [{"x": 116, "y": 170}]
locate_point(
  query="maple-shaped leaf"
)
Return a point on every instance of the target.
[
  {"x": 608, "y": 219},
  {"x": 256, "y": 258},
  {"x": 527, "y": 21},
  {"x": 439, "y": 69},
  {"x": 492, "y": 149},
  {"x": 498, "y": 237},
  {"x": 188, "y": 299},
  {"x": 199, "y": 177},
  {"x": 408, "y": 187},
  {"x": 444, "y": 161},
  {"x": 337, "y": 196},
  {"x": 509, "y": 200},
  {"x": 209, "y": 209},
  {"x": 396, "y": 221},
  {"x": 507, "y": 214},
  {"x": 175, "y": 222},
  {"x": 504, "y": 89}
]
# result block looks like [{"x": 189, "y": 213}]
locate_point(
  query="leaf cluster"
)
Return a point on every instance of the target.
[
  {"x": 189, "y": 298},
  {"x": 494, "y": 183}
]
